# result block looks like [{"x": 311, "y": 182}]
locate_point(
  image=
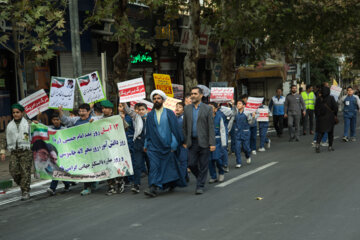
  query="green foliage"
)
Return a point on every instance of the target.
[
  {"x": 322, "y": 70},
  {"x": 36, "y": 22}
]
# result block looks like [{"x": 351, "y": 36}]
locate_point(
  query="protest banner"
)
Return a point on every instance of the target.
[
  {"x": 163, "y": 83},
  {"x": 35, "y": 103},
  {"x": 149, "y": 105},
  {"x": 90, "y": 152},
  {"x": 62, "y": 93},
  {"x": 221, "y": 94},
  {"x": 90, "y": 88},
  {"x": 170, "y": 103},
  {"x": 253, "y": 104},
  {"x": 131, "y": 90},
  {"x": 263, "y": 115},
  {"x": 178, "y": 91},
  {"x": 335, "y": 91}
]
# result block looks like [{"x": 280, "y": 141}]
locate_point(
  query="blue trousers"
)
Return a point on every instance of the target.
[
  {"x": 54, "y": 183},
  {"x": 138, "y": 163},
  {"x": 225, "y": 157},
  {"x": 242, "y": 142},
  {"x": 253, "y": 133},
  {"x": 263, "y": 128},
  {"x": 212, "y": 169},
  {"x": 324, "y": 139},
  {"x": 350, "y": 122}
]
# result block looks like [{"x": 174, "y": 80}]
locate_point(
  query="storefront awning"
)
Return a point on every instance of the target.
[{"x": 267, "y": 71}]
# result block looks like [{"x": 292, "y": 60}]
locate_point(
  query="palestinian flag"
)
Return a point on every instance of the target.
[
  {"x": 83, "y": 81},
  {"x": 39, "y": 132},
  {"x": 57, "y": 82}
]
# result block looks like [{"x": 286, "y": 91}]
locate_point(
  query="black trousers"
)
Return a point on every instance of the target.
[
  {"x": 279, "y": 123},
  {"x": 199, "y": 162},
  {"x": 330, "y": 137},
  {"x": 309, "y": 116}
]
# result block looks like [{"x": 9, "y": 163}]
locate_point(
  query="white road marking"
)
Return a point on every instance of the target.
[
  {"x": 17, "y": 189},
  {"x": 336, "y": 137},
  {"x": 14, "y": 199},
  {"x": 228, "y": 182}
]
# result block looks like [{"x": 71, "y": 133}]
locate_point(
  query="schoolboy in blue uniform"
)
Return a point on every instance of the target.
[{"x": 242, "y": 133}]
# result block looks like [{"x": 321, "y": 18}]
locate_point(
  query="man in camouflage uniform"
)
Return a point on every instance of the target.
[{"x": 18, "y": 144}]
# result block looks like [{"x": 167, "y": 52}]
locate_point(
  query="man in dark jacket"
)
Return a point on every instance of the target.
[
  {"x": 199, "y": 137},
  {"x": 325, "y": 111}
]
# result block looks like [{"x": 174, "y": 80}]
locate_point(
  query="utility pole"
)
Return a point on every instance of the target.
[
  {"x": 307, "y": 73},
  {"x": 75, "y": 44}
]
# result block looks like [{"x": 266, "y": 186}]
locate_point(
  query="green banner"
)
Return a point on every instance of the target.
[{"x": 89, "y": 152}]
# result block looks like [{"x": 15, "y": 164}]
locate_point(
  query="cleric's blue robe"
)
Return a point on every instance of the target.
[{"x": 162, "y": 143}]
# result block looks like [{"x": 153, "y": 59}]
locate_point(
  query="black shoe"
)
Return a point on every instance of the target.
[
  {"x": 135, "y": 188},
  {"x": 304, "y": 133},
  {"x": 331, "y": 149},
  {"x": 297, "y": 139},
  {"x": 317, "y": 148},
  {"x": 199, "y": 191},
  {"x": 151, "y": 192}
]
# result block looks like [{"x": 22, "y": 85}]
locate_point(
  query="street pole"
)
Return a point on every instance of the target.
[
  {"x": 75, "y": 44},
  {"x": 307, "y": 73}
]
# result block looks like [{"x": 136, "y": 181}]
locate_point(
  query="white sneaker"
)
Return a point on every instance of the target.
[
  {"x": 221, "y": 177},
  {"x": 268, "y": 144},
  {"x": 324, "y": 144},
  {"x": 238, "y": 166},
  {"x": 261, "y": 149},
  {"x": 353, "y": 139},
  {"x": 313, "y": 144},
  {"x": 248, "y": 160},
  {"x": 212, "y": 180},
  {"x": 253, "y": 152}
]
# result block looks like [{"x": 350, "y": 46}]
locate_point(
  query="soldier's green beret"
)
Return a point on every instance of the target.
[
  {"x": 18, "y": 106},
  {"x": 107, "y": 104}
]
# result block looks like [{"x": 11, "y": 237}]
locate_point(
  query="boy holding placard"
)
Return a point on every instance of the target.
[
  {"x": 263, "y": 119},
  {"x": 253, "y": 128},
  {"x": 139, "y": 155},
  {"x": 56, "y": 125}
]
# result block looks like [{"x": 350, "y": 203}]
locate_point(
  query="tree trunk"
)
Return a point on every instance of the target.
[
  {"x": 122, "y": 58},
  {"x": 18, "y": 65},
  {"x": 228, "y": 62},
  {"x": 191, "y": 58}
]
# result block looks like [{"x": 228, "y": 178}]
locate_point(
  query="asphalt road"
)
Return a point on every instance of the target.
[{"x": 304, "y": 196}]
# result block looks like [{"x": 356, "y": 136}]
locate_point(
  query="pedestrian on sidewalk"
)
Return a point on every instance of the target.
[
  {"x": 216, "y": 157},
  {"x": 263, "y": 120},
  {"x": 18, "y": 144},
  {"x": 294, "y": 106},
  {"x": 242, "y": 124},
  {"x": 253, "y": 128},
  {"x": 309, "y": 99},
  {"x": 163, "y": 139},
  {"x": 350, "y": 104},
  {"x": 277, "y": 106},
  {"x": 326, "y": 113},
  {"x": 199, "y": 137}
]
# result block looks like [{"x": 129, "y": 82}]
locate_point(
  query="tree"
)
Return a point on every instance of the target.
[
  {"x": 35, "y": 26},
  {"x": 124, "y": 34},
  {"x": 235, "y": 25},
  {"x": 322, "y": 70},
  {"x": 312, "y": 29}
]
